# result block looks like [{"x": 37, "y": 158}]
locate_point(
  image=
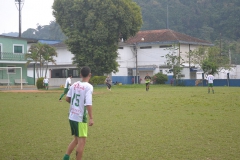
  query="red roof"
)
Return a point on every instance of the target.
[{"x": 164, "y": 35}]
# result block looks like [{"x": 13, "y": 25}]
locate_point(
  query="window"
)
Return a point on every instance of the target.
[
  {"x": 165, "y": 46},
  {"x": 0, "y": 50},
  {"x": 75, "y": 73},
  {"x": 63, "y": 73},
  {"x": 17, "y": 48},
  {"x": 11, "y": 70},
  {"x": 130, "y": 72},
  {"x": 120, "y": 47},
  {"x": 146, "y": 47},
  {"x": 181, "y": 75}
]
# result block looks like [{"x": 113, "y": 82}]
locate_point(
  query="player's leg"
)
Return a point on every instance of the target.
[
  {"x": 110, "y": 87},
  {"x": 80, "y": 147},
  {"x": 82, "y": 135},
  {"x": 208, "y": 87},
  {"x": 64, "y": 92},
  {"x": 146, "y": 86},
  {"x": 212, "y": 88},
  {"x": 73, "y": 144},
  {"x": 70, "y": 148}
]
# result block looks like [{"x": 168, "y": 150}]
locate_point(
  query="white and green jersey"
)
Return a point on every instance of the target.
[
  {"x": 67, "y": 83},
  {"x": 45, "y": 80},
  {"x": 81, "y": 96},
  {"x": 210, "y": 78}
]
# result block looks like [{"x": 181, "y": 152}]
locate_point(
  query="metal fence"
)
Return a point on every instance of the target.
[{"x": 12, "y": 56}]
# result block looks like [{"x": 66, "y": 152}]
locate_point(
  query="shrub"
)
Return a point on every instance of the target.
[
  {"x": 96, "y": 80},
  {"x": 159, "y": 78},
  {"x": 39, "y": 83}
]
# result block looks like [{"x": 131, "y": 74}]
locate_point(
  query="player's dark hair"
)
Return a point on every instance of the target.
[
  {"x": 85, "y": 71},
  {"x": 69, "y": 75}
]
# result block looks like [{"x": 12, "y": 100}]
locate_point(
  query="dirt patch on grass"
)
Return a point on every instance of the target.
[
  {"x": 28, "y": 91},
  {"x": 41, "y": 91}
]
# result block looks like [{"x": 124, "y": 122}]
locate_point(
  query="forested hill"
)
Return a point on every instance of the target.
[
  {"x": 205, "y": 19},
  {"x": 210, "y": 20}
]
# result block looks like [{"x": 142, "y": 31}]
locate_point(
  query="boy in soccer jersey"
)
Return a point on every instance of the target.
[
  {"x": 66, "y": 87},
  {"x": 45, "y": 83},
  {"x": 80, "y": 98},
  {"x": 210, "y": 79},
  {"x": 147, "y": 81}
]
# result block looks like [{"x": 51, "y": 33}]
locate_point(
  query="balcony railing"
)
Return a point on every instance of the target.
[{"x": 12, "y": 56}]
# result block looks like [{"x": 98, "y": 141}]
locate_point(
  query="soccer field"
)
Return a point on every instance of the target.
[{"x": 165, "y": 123}]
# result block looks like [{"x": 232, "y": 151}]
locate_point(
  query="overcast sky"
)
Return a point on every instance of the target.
[{"x": 33, "y": 12}]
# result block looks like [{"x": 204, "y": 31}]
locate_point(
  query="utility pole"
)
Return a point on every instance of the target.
[
  {"x": 230, "y": 57},
  {"x": 19, "y": 4},
  {"x": 135, "y": 51},
  {"x": 220, "y": 44},
  {"x": 167, "y": 17},
  {"x": 136, "y": 65}
]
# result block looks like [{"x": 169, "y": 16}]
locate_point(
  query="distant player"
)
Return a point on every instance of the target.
[
  {"x": 66, "y": 87},
  {"x": 147, "y": 81},
  {"x": 108, "y": 83},
  {"x": 210, "y": 79},
  {"x": 45, "y": 83}
]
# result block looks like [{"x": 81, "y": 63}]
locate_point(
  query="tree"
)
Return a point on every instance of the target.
[
  {"x": 93, "y": 30},
  {"x": 209, "y": 59},
  {"x": 159, "y": 78},
  {"x": 42, "y": 54},
  {"x": 51, "y": 31},
  {"x": 48, "y": 56},
  {"x": 175, "y": 62}
]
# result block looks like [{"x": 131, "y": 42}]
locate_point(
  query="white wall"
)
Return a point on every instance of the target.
[
  {"x": 148, "y": 56},
  {"x": 57, "y": 82},
  {"x": 184, "y": 50},
  {"x": 234, "y": 73},
  {"x": 126, "y": 59},
  {"x": 64, "y": 56}
]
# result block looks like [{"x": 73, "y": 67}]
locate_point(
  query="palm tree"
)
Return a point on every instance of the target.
[
  {"x": 34, "y": 55},
  {"x": 41, "y": 53},
  {"x": 48, "y": 56}
]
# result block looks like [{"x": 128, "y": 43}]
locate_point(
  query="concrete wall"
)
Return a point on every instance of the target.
[{"x": 57, "y": 82}]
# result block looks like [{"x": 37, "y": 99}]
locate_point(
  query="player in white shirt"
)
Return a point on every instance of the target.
[
  {"x": 80, "y": 98},
  {"x": 210, "y": 79},
  {"x": 45, "y": 83},
  {"x": 66, "y": 87}
]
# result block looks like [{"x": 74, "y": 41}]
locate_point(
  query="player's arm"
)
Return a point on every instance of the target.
[
  {"x": 68, "y": 99},
  {"x": 68, "y": 96},
  {"x": 89, "y": 109},
  {"x": 88, "y": 104}
]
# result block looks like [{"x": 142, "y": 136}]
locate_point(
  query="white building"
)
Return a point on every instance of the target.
[{"x": 146, "y": 50}]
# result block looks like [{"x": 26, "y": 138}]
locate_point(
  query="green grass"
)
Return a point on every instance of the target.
[{"x": 165, "y": 123}]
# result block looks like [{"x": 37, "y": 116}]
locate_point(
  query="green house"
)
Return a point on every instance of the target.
[{"x": 12, "y": 54}]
